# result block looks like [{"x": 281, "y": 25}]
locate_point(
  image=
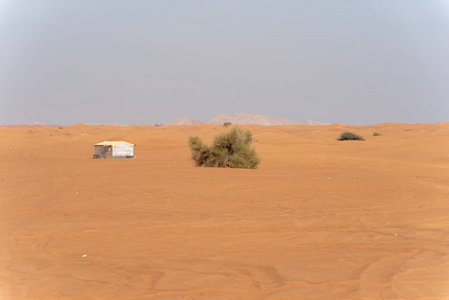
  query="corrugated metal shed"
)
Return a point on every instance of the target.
[{"x": 112, "y": 143}]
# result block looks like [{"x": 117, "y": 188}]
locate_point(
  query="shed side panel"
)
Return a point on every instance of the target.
[
  {"x": 123, "y": 150},
  {"x": 98, "y": 150}
]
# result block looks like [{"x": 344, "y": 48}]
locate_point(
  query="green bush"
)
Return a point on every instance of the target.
[
  {"x": 227, "y": 124},
  {"x": 349, "y": 136},
  {"x": 376, "y": 134},
  {"x": 230, "y": 149}
]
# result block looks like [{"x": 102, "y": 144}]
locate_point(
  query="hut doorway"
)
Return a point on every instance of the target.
[{"x": 106, "y": 152}]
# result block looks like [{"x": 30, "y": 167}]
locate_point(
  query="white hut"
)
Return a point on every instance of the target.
[{"x": 114, "y": 149}]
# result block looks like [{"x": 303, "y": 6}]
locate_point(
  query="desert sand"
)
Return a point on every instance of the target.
[{"x": 319, "y": 219}]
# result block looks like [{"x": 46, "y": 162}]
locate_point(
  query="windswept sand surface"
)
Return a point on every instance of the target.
[{"x": 319, "y": 219}]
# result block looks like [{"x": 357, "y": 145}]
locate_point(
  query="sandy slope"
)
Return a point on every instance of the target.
[{"x": 320, "y": 219}]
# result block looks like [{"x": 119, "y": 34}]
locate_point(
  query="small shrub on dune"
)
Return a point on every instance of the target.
[
  {"x": 349, "y": 136},
  {"x": 227, "y": 124},
  {"x": 376, "y": 134},
  {"x": 200, "y": 151},
  {"x": 230, "y": 149}
]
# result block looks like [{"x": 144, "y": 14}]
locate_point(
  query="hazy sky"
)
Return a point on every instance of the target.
[{"x": 146, "y": 62}]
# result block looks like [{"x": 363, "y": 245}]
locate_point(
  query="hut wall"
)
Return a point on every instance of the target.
[
  {"x": 98, "y": 150},
  {"x": 123, "y": 151}
]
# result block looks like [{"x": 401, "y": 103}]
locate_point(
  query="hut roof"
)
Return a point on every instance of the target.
[{"x": 112, "y": 143}]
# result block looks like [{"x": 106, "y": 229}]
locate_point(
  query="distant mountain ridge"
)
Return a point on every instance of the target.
[
  {"x": 183, "y": 121},
  {"x": 250, "y": 119},
  {"x": 105, "y": 124},
  {"x": 310, "y": 122},
  {"x": 243, "y": 119},
  {"x": 235, "y": 118}
]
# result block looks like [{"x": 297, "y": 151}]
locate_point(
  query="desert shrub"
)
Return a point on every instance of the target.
[
  {"x": 60, "y": 127},
  {"x": 227, "y": 124},
  {"x": 377, "y": 134},
  {"x": 349, "y": 136},
  {"x": 230, "y": 149},
  {"x": 157, "y": 125}
]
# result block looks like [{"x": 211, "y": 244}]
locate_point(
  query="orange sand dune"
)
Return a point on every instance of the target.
[{"x": 320, "y": 219}]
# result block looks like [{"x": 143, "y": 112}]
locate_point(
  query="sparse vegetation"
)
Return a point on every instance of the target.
[
  {"x": 160, "y": 124},
  {"x": 349, "y": 136},
  {"x": 377, "y": 134},
  {"x": 230, "y": 149},
  {"x": 227, "y": 124},
  {"x": 60, "y": 127}
]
